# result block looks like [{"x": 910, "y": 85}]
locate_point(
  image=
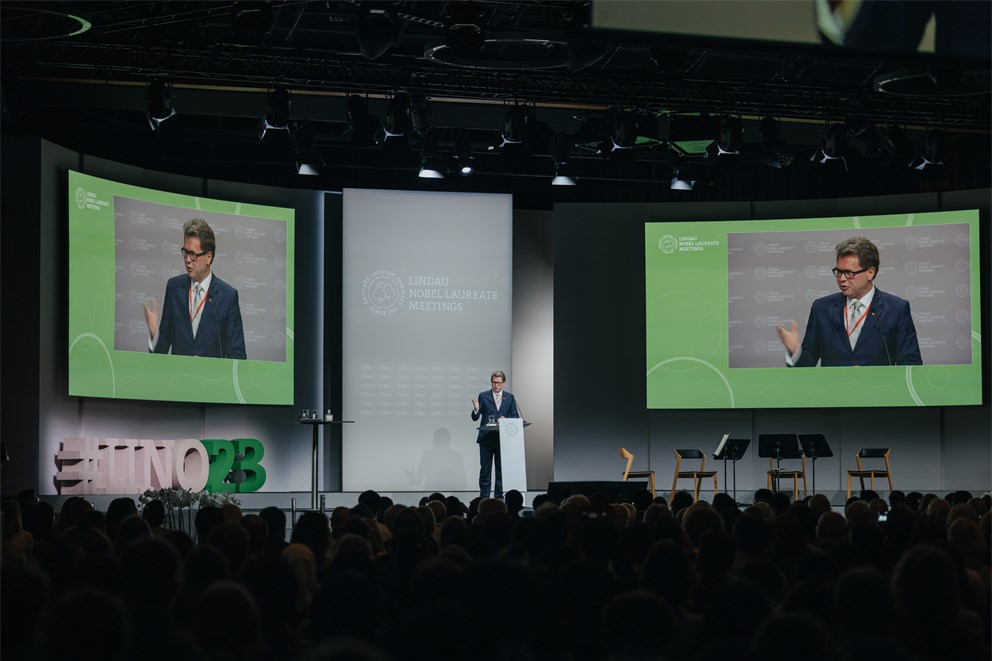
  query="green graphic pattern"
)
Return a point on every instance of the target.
[
  {"x": 97, "y": 370},
  {"x": 686, "y": 296}
]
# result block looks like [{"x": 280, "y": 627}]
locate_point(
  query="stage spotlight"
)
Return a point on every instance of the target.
[
  {"x": 361, "y": 124},
  {"x": 683, "y": 178},
  {"x": 431, "y": 164},
  {"x": 895, "y": 145},
  {"x": 517, "y": 125},
  {"x": 159, "y": 104},
  {"x": 774, "y": 152},
  {"x": 308, "y": 159},
  {"x": 465, "y": 30},
  {"x": 730, "y": 137},
  {"x": 276, "y": 118},
  {"x": 932, "y": 153},
  {"x": 398, "y": 123},
  {"x": 376, "y": 31},
  {"x": 833, "y": 147},
  {"x": 420, "y": 113},
  {"x": 562, "y": 155},
  {"x": 463, "y": 154}
]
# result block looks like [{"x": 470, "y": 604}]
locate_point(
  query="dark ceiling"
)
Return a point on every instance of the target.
[{"x": 220, "y": 61}]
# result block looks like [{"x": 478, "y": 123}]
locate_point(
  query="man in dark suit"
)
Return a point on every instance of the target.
[
  {"x": 201, "y": 315},
  {"x": 491, "y": 406},
  {"x": 859, "y": 325}
]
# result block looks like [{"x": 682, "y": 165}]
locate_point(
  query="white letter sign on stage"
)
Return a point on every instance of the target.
[{"x": 511, "y": 447}]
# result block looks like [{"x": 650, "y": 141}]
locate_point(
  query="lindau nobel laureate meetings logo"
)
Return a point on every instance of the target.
[
  {"x": 668, "y": 244},
  {"x": 80, "y": 197},
  {"x": 383, "y": 292}
]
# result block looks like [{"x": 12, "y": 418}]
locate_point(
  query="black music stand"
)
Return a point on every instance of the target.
[
  {"x": 815, "y": 446},
  {"x": 731, "y": 449},
  {"x": 779, "y": 447}
]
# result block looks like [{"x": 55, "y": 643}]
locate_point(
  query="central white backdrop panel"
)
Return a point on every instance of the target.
[{"x": 426, "y": 306}]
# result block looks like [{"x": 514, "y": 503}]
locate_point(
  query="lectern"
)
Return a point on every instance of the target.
[
  {"x": 779, "y": 447},
  {"x": 513, "y": 456}
]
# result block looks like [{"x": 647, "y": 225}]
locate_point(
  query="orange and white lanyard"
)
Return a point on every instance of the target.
[
  {"x": 847, "y": 321},
  {"x": 193, "y": 314}
]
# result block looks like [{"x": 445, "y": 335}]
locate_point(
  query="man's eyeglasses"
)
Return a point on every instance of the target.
[
  {"x": 496, "y": 383},
  {"x": 192, "y": 256},
  {"x": 846, "y": 274}
]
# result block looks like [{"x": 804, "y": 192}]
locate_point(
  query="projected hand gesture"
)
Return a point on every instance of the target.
[
  {"x": 475, "y": 405},
  {"x": 151, "y": 317},
  {"x": 790, "y": 337}
]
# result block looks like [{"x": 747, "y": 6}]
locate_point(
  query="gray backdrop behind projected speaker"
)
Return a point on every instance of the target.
[
  {"x": 427, "y": 315},
  {"x": 251, "y": 257},
  {"x": 775, "y": 276}
]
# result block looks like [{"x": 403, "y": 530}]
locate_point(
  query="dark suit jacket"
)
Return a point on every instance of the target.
[
  {"x": 487, "y": 407},
  {"x": 220, "y": 333},
  {"x": 826, "y": 338}
]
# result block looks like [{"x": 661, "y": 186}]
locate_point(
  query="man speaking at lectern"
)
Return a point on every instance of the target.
[
  {"x": 201, "y": 315},
  {"x": 859, "y": 325},
  {"x": 491, "y": 406}
]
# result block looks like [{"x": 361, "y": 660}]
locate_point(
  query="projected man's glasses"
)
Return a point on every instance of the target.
[
  {"x": 846, "y": 274},
  {"x": 190, "y": 255}
]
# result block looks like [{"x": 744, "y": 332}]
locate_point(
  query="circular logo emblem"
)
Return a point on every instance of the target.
[
  {"x": 280, "y": 312},
  {"x": 962, "y": 316},
  {"x": 963, "y": 342},
  {"x": 810, "y": 247},
  {"x": 911, "y": 292},
  {"x": 760, "y": 346},
  {"x": 810, "y": 295},
  {"x": 383, "y": 292},
  {"x": 80, "y": 198},
  {"x": 760, "y": 248},
  {"x": 962, "y": 266},
  {"x": 961, "y": 291},
  {"x": 134, "y": 269},
  {"x": 280, "y": 261},
  {"x": 760, "y": 321},
  {"x": 760, "y": 272},
  {"x": 961, "y": 240},
  {"x": 281, "y": 236},
  {"x": 810, "y": 271},
  {"x": 239, "y": 256},
  {"x": 667, "y": 244},
  {"x": 239, "y": 231},
  {"x": 912, "y": 242},
  {"x": 760, "y": 297},
  {"x": 279, "y": 286},
  {"x": 911, "y": 267},
  {"x": 279, "y": 338}
]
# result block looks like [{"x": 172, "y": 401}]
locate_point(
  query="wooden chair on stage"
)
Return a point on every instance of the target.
[
  {"x": 871, "y": 473},
  {"x": 697, "y": 476},
  {"x": 787, "y": 474},
  {"x": 627, "y": 473}
]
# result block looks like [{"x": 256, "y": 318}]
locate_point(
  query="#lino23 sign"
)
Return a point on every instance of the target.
[{"x": 129, "y": 465}]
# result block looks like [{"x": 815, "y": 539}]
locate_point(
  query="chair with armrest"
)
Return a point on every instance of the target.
[
  {"x": 871, "y": 473},
  {"x": 627, "y": 473},
  {"x": 697, "y": 476}
]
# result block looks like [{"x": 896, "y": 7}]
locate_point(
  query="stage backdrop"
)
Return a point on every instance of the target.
[{"x": 427, "y": 316}]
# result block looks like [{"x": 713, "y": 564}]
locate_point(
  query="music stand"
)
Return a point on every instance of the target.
[
  {"x": 779, "y": 447},
  {"x": 731, "y": 449},
  {"x": 814, "y": 447}
]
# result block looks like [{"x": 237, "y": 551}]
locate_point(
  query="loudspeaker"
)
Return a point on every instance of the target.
[{"x": 616, "y": 492}]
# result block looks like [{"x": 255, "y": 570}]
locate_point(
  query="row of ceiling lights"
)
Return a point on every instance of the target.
[{"x": 692, "y": 138}]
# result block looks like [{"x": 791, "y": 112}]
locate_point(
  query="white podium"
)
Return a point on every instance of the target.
[{"x": 513, "y": 454}]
